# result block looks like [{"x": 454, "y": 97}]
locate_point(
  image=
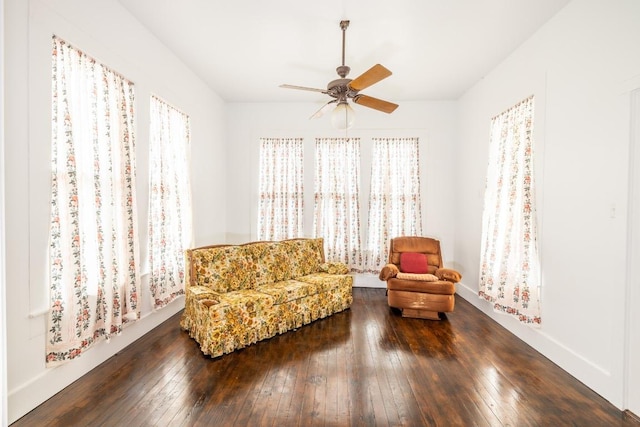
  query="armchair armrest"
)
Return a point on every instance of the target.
[
  {"x": 334, "y": 268},
  {"x": 389, "y": 271},
  {"x": 448, "y": 274}
]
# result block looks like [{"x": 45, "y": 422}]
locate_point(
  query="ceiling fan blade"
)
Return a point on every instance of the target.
[
  {"x": 304, "y": 88},
  {"x": 322, "y": 110},
  {"x": 375, "y": 103},
  {"x": 369, "y": 77}
]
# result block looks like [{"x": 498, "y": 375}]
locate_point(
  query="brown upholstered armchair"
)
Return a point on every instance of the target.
[{"x": 417, "y": 283}]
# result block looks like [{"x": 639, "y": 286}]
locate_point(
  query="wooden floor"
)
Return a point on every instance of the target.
[{"x": 366, "y": 366}]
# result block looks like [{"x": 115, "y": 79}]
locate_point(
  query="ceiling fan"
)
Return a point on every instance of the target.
[{"x": 343, "y": 89}]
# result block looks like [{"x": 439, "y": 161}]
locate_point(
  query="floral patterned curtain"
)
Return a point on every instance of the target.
[
  {"x": 509, "y": 265},
  {"x": 170, "y": 229},
  {"x": 336, "y": 206},
  {"x": 281, "y": 191},
  {"x": 94, "y": 278},
  {"x": 394, "y": 199}
]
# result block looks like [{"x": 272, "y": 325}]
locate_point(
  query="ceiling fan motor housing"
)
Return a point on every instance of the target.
[{"x": 340, "y": 89}]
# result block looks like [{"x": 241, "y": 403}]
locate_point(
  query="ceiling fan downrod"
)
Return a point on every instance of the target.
[{"x": 343, "y": 70}]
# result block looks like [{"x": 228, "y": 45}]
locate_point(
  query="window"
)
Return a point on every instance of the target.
[
  {"x": 509, "y": 264},
  {"x": 337, "y": 191},
  {"x": 170, "y": 230},
  {"x": 94, "y": 277},
  {"x": 281, "y": 191},
  {"x": 394, "y": 199}
]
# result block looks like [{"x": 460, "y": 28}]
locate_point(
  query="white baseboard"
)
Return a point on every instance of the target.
[{"x": 368, "y": 281}]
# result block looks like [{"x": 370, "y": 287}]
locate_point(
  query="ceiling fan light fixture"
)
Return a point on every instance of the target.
[{"x": 343, "y": 116}]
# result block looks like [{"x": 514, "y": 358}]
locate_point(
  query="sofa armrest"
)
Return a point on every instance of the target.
[
  {"x": 203, "y": 293},
  {"x": 389, "y": 271},
  {"x": 334, "y": 268},
  {"x": 448, "y": 274}
]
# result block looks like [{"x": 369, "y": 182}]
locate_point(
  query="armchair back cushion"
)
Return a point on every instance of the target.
[{"x": 414, "y": 263}]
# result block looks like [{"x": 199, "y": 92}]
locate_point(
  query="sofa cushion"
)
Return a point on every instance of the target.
[
  {"x": 324, "y": 281},
  {"x": 272, "y": 262},
  {"x": 334, "y": 268},
  {"x": 305, "y": 255},
  {"x": 224, "y": 268},
  {"x": 413, "y": 262},
  {"x": 288, "y": 290},
  {"x": 248, "y": 300}
]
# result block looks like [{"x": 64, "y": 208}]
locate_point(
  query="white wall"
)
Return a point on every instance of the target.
[
  {"x": 581, "y": 67},
  {"x": 432, "y": 122},
  {"x": 104, "y": 30}
]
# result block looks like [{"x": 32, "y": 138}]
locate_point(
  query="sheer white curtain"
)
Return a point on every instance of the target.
[
  {"x": 394, "y": 200},
  {"x": 336, "y": 205},
  {"x": 281, "y": 189},
  {"x": 170, "y": 228},
  {"x": 94, "y": 276},
  {"x": 509, "y": 264}
]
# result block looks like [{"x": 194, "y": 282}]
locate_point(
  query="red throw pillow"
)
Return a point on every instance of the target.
[{"x": 413, "y": 262}]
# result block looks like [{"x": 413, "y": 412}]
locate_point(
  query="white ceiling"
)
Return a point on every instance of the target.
[{"x": 436, "y": 49}]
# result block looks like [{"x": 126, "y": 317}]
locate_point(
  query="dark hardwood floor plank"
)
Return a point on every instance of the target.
[
  {"x": 397, "y": 369},
  {"x": 368, "y": 402},
  {"x": 178, "y": 411},
  {"x": 366, "y": 366},
  {"x": 287, "y": 393},
  {"x": 336, "y": 410},
  {"x": 384, "y": 362},
  {"x": 268, "y": 396}
]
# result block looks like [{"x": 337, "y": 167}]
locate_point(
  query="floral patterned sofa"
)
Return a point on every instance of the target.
[{"x": 237, "y": 295}]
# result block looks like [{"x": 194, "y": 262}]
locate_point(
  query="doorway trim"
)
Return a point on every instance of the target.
[
  {"x": 631, "y": 381},
  {"x": 3, "y": 318}
]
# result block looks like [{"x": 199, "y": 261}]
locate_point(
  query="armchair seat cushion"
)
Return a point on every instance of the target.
[
  {"x": 440, "y": 287},
  {"x": 418, "y": 277}
]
